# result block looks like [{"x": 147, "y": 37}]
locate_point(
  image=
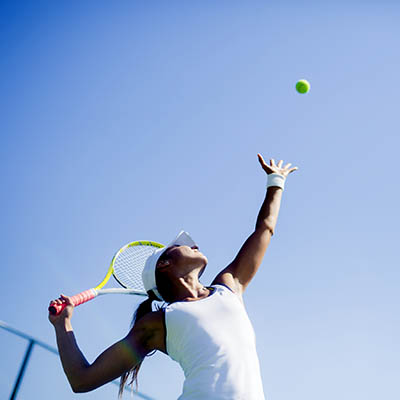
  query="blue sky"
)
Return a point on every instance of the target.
[{"x": 134, "y": 120}]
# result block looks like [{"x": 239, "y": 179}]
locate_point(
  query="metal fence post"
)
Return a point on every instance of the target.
[{"x": 22, "y": 369}]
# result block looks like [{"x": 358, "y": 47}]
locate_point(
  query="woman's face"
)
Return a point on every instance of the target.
[{"x": 182, "y": 256}]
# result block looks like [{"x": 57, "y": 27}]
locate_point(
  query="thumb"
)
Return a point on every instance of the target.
[
  {"x": 261, "y": 159},
  {"x": 264, "y": 166}
]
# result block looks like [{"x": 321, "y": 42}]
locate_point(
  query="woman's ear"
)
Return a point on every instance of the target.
[{"x": 163, "y": 263}]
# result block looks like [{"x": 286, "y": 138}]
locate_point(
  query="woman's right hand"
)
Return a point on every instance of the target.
[{"x": 65, "y": 314}]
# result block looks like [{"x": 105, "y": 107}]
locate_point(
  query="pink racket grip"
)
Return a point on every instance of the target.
[{"x": 78, "y": 299}]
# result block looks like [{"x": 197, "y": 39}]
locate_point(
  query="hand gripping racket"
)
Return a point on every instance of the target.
[{"x": 126, "y": 267}]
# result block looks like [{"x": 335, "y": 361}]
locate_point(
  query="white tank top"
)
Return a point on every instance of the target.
[{"x": 214, "y": 342}]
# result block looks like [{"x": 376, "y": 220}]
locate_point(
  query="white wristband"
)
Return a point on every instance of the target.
[{"x": 276, "y": 180}]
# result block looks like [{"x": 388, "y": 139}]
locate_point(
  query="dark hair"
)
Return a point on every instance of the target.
[{"x": 143, "y": 309}]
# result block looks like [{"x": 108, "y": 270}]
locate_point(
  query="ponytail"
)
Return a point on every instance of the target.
[{"x": 143, "y": 309}]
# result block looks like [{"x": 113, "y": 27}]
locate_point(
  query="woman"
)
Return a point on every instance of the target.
[{"x": 205, "y": 329}]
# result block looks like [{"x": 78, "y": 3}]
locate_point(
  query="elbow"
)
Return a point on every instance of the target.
[
  {"x": 81, "y": 381},
  {"x": 266, "y": 227},
  {"x": 85, "y": 384},
  {"x": 76, "y": 388},
  {"x": 270, "y": 230},
  {"x": 80, "y": 386},
  {"x": 84, "y": 387}
]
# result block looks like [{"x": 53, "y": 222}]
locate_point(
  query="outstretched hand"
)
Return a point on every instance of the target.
[{"x": 276, "y": 168}]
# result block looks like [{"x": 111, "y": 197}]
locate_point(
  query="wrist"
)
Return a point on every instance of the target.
[
  {"x": 63, "y": 326},
  {"x": 276, "y": 180}
]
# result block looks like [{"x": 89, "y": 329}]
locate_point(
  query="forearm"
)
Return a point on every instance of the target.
[
  {"x": 73, "y": 361},
  {"x": 268, "y": 215}
]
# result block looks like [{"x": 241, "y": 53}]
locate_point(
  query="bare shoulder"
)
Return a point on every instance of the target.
[
  {"x": 226, "y": 279},
  {"x": 150, "y": 330}
]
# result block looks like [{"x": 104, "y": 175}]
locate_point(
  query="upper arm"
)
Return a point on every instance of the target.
[
  {"x": 119, "y": 358},
  {"x": 238, "y": 274}
]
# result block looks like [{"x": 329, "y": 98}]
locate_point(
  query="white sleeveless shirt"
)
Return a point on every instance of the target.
[{"x": 214, "y": 342}]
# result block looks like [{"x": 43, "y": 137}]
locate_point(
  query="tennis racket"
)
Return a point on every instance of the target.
[{"x": 126, "y": 267}]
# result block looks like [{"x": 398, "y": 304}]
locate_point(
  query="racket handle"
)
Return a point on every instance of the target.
[{"x": 78, "y": 299}]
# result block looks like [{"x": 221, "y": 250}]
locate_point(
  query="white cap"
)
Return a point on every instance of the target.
[{"x": 149, "y": 271}]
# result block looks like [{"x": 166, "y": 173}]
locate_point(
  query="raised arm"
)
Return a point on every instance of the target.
[
  {"x": 238, "y": 274},
  {"x": 111, "y": 364}
]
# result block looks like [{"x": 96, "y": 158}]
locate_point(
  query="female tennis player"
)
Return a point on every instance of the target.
[{"x": 204, "y": 328}]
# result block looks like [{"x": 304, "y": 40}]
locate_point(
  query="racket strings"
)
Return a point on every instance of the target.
[{"x": 129, "y": 264}]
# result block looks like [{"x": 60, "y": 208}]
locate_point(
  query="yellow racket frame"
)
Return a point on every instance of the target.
[{"x": 123, "y": 248}]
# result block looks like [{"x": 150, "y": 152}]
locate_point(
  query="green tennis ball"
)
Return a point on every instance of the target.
[{"x": 302, "y": 86}]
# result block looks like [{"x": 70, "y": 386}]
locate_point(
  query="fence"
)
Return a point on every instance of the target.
[{"x": 35, "y": 342}]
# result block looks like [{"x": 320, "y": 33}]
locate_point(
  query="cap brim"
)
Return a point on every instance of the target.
[{"x": 183, "y": 239}]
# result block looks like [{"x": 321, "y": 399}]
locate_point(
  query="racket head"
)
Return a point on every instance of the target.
[{"x": 128, "y": 263}]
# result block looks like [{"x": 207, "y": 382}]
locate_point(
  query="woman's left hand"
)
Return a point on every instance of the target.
[{"x": 276, "y": 168}]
